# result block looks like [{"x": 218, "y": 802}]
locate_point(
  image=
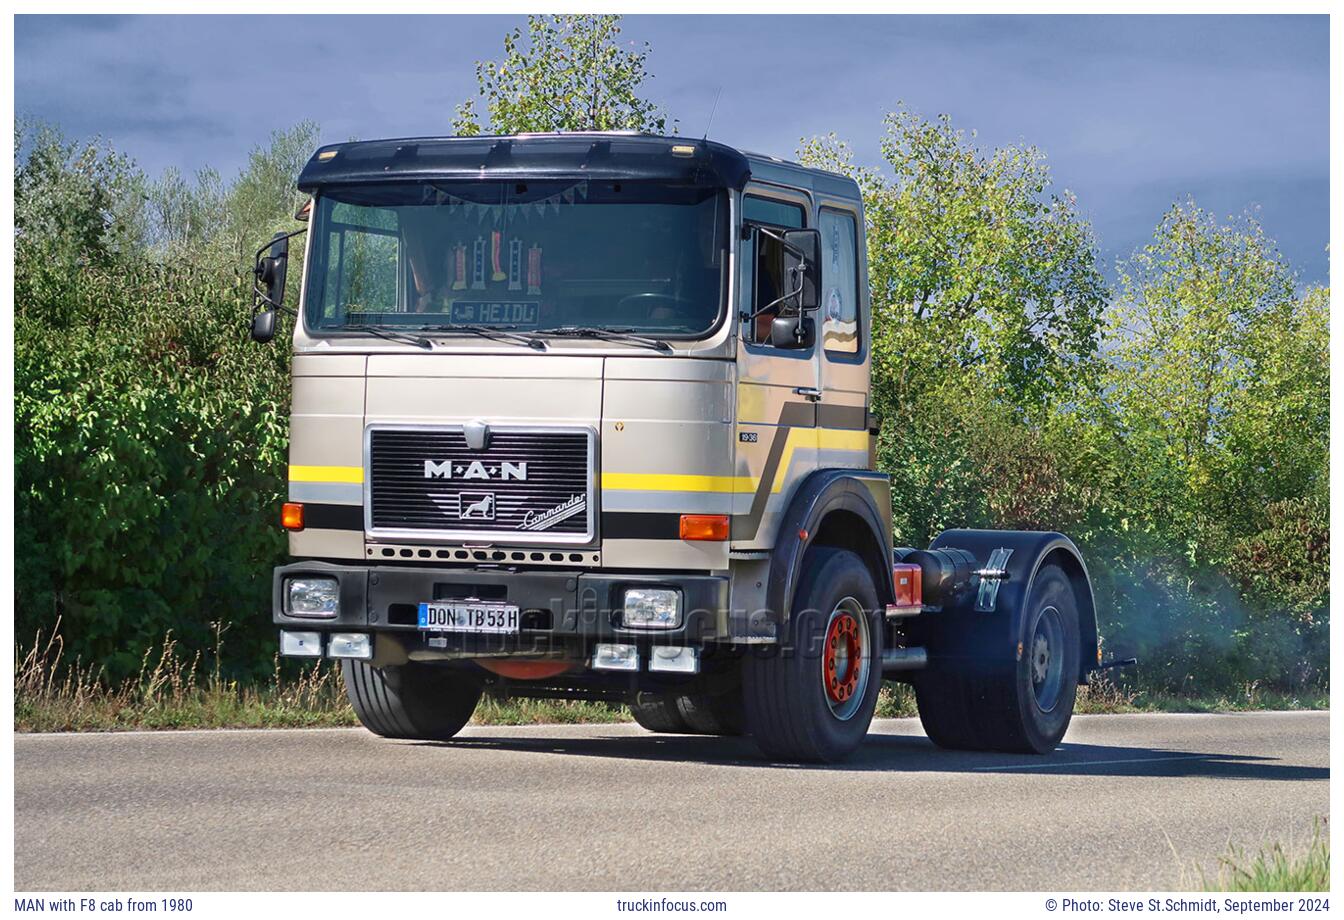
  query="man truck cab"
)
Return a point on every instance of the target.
[{"x": 587, "y": 416}]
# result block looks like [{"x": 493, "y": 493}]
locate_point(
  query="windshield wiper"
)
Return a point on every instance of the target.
[
  {"x": 626, "y": 336},
  {"x": 499, "y": 333},
  {"x": 392, "y": 335}
]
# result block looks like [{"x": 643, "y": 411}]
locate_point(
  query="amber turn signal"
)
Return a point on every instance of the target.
[
  {"x": 291, "y": 516},
  {"x": 704, "y": 527}
]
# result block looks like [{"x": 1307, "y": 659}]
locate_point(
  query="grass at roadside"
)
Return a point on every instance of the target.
[
  {"x": 1103, "y": 696},
  {"x": 1276, "y": 867},
  {"x": 172, "y": 691}
]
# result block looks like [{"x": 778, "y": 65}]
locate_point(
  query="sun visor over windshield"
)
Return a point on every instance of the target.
[{"x": 573, "y": 156}]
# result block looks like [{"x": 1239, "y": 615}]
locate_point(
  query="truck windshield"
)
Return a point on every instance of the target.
[{"x": 608, "y": 256}]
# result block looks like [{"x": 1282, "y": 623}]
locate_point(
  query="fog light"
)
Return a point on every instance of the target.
[
  {"x": 616, "y": 658},
  {"x": 651, "y": 608},
  {"x": 676, "y": 659},
  {"x": 350, "y": 645},
  {"x": 300, "y": 644},
  {"x": 311, "y": 597}
]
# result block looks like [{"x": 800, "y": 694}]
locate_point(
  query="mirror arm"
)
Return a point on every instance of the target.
[
  {"x": 778, "y": 300},
  {"x": 256, "y": 257},
  {"x": 259, "y": 297},
  {"x": 779, "y": 237}
]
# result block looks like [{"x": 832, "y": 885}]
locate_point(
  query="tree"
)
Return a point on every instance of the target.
[
  {"x": 570, "y": 74},
  {"x": 149, "y": 434},
  {"x": 1218, "y": 379},
  {"x": 974, "y": 267},
  {"x": 77, "y": 206},
  {"x": 987, "y": 301}
]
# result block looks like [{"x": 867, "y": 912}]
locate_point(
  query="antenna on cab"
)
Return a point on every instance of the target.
[{"x": 714, "y": 108}]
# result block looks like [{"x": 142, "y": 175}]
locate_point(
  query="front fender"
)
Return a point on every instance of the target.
[{"x": 864, "y": 498}]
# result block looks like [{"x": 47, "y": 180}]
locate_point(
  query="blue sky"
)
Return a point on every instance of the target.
[{"x": 1133, "y": 112}]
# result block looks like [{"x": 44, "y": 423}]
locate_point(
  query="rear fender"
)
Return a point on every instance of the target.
[{"x": 1030, "y": 551}]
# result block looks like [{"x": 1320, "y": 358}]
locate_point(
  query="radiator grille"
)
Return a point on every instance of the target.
[{"x": 529, "y": 485}]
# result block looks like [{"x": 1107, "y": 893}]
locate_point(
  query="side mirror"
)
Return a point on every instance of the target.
[
  {"x": 793, "y": 332},
  {"x": 802, "y": 266},
  {"x": 270, "y": 270},
  {"x": 268, "y": 288},
  {"x": 263, "y": 326}
]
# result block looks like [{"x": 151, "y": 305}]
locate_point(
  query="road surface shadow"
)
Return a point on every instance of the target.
[{"x": 907, "y": 754}]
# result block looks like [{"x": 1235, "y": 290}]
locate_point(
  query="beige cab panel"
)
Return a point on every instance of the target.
[
  {"x": 325, "y": 461},
  {"x": 327, "y": 544},
  {"x": 499, "y": 389},
  {"x": 667, "y": 450}
]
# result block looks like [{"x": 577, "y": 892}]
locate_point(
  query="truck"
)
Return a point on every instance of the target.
[{"x": 588, "y": 416}]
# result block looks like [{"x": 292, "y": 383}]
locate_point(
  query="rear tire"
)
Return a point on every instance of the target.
[
  {"x": 812, "y": 698},
  {"x": 1019, "y": 705},
  {"x": 413, "y": 701}
]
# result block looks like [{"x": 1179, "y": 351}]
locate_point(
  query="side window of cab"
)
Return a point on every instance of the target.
[
  {"x": 762, "y": 263},
  {"x": 840, "y": 324}
]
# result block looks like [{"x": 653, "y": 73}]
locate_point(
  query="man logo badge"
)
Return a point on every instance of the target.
[
  {"x": 500, "y": 472},
  {"x": 476, "y": 506}
]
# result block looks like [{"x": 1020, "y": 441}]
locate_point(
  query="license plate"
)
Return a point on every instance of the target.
[
  {"x": 472, "y": 618},
  {"x": 495, "y": 313}
]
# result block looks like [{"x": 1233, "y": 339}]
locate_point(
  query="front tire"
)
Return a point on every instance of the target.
[
  {"x": 1020, "y": 704},
  {"x": 657, "y": 712},
  {"x": 812, "y": 699},
  {"x": 713, "y": 714},
  {"x": 689, "y": 713},
  {"x": 412, "y": 701}
]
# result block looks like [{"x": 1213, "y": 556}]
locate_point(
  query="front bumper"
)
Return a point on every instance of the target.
[{"x": 558, "y": 609}]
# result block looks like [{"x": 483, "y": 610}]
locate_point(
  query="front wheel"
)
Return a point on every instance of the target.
[
  {"x": 813, "y": 698},
  {"x": 415, "y": 701},
  {"x": 689, "y": 713}
]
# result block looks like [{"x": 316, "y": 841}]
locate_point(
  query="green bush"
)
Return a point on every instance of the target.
[
  {"x": 149, "y": 459},
  {"x": 150, "y": 435}
]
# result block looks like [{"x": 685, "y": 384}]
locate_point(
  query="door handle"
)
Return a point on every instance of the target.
[{"x": 811, "y": 393}]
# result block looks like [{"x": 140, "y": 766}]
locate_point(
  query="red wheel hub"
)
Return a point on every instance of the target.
[{"x": 842, "y": 660}]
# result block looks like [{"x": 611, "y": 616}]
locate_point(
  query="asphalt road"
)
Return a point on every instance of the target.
[{"x": 1129, "y": 802}]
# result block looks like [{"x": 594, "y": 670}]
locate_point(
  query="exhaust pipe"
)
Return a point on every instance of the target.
[{"x": 904, "y": 659}]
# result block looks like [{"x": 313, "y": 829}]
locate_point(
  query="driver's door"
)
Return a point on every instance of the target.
[{"x": 778, "y": 388}]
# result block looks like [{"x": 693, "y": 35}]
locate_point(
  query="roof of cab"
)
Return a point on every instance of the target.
[
  {"x": 765, "y": 168},
  {"x": 609, "y": 156}
]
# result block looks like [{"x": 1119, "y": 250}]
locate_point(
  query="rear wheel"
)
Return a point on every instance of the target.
[
  {"x": 415, "y": 701},
  {"x": 1023, "y": 702},
  {"x": 813, "y": 698}
]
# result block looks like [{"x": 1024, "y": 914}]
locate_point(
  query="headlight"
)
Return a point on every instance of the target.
[
  {"x": 311, "y": 597},
  {"x": 652, "y": 608}
]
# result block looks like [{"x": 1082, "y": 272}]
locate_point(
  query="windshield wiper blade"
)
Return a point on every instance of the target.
[
  {"x": 391, "y": 334},
  {"x": 499, "y": 333},
  {"x": 607, "y": 335}
]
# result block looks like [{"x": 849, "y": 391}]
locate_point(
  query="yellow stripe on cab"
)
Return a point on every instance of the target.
[{"x": 347, "y": 474}]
